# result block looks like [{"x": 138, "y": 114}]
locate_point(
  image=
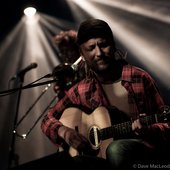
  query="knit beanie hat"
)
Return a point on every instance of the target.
[{"x": 94, "y": 28}]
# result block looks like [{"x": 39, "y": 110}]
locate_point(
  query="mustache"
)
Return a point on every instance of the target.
[{"x": 103, "y": 58}]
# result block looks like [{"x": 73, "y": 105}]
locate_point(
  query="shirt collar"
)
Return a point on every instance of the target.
[{"x": 127, "y": 73}]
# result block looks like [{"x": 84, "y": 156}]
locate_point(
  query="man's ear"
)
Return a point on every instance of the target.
[{"x": 81, "y": 55}]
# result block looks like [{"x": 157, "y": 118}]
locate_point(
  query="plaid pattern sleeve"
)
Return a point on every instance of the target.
[
  {"x": 51, "y": 123},
  {"x": 50, "y": 127}
]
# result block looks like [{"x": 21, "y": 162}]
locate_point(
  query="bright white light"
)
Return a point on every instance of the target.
[
  {"x": 161, "y": 15},
  {"x": 30, "y": 11},
  {"x": 152, "y": 52},
  {"x": 24, "y": 136}
]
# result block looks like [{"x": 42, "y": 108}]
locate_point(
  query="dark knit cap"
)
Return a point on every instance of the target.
[{"x": 93, "y": 28}]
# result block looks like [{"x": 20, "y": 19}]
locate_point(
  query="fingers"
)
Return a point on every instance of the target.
[
  {"x": 74, "y": 139},
  {"x": 136, "y": 125}
]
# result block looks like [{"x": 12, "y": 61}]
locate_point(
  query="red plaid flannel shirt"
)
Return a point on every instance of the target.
[{"x": 143, "y": 95}]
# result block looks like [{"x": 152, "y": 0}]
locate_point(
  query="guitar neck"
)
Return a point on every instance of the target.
[{"x": 125, "y": 128}]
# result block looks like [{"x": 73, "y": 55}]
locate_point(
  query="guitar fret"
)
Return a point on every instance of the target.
[
  {"x": 123, "y": 128},
  {"x": 116, "y": 130}
]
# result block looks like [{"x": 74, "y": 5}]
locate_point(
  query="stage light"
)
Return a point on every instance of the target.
[{"x": 30, "y": 11}]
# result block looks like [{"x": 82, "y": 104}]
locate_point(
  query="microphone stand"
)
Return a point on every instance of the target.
[
  {"x": 12, "y": 155},
  {"x": 23, "y": 136},
  {"x": 6, "y": 92}
]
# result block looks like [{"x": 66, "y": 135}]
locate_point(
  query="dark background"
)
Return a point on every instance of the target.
[{"x": 152, "y": 37}]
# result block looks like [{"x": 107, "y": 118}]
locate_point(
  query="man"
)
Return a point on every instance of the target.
[{"x": 119, "y": 98}]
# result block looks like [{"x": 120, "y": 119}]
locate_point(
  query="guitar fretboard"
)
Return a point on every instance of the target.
[{"x": 121, "y": 129}]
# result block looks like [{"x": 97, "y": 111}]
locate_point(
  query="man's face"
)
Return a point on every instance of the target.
[{"x": 98, "y": 53}]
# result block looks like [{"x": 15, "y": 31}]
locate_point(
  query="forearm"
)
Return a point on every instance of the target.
[{"x": 50, "y": 127}]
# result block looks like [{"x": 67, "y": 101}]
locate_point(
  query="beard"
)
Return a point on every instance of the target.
[{"x": 102, "y": 65}]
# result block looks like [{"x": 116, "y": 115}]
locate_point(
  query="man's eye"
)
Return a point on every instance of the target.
[
  {"x": 103, "y": 45},
  {"x": 90, "y": 48}
]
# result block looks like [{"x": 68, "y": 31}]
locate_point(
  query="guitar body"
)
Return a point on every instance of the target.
[{"x": 88, "y": 125}]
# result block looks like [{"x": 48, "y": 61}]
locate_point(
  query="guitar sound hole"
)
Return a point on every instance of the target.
[{"x": 94, "y": 137}]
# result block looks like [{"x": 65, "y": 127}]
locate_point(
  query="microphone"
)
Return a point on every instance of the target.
[
  {"x": 65, "y": 69},
  {"x": 66, "y": 74},
  {"x": 74, "y": 66},
  {"x": 28, "y": 68}
]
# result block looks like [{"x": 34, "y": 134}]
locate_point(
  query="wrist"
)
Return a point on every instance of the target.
[{"x": 61, "y": 131}]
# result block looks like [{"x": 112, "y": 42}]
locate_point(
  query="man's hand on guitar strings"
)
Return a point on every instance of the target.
[
  {"x": 73, "y": 138},
  {"x": 137, "y": 126}
]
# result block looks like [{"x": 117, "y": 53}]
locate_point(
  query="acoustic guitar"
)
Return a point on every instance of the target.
[{"x": 98, "y": 129}]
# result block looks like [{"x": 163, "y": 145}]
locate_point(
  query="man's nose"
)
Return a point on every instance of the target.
[{"x": 98, "y": 51}]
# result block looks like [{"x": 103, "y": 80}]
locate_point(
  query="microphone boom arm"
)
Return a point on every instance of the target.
[{"x": 27, "y": 86}]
